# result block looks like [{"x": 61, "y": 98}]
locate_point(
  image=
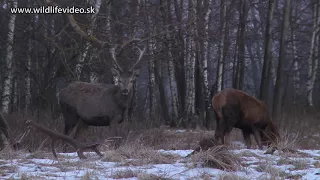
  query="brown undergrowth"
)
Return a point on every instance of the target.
[{"x": 296, "y": 125}]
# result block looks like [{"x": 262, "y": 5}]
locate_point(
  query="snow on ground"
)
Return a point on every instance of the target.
[{"x": 255, "y": 165}]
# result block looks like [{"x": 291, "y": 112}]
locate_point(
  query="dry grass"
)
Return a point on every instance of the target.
[
  {"x": 128, "y": 173},
  {"x": 218, "y": 157},
  {"x": 303, "y": 132},
  {"x": 144, "y": 176},
  {"x": 231, "y": 176},
  {"x": 89, "y": 176},
  {"x": 136, "y": 153}
]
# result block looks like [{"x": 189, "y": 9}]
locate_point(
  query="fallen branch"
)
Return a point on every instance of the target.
[{"x": 79, "y": 147}]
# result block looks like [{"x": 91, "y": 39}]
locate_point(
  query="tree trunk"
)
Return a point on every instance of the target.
[
  {"x": 313, "y": 55},
  {"x": 223, "y": 15},
  {"x": 241, "y": 43},
  {"x": 7, "y": 85},
  {"x": 92, "y": 25},
  {"x": 205, "y": 58},
  {"x": 267, "y": 60},
  {"x": 181, "y": 44},
  {"x": 279, "y": 86},
  {"x": 152, "y": 84},
  {"x": 190, "y": 66}
]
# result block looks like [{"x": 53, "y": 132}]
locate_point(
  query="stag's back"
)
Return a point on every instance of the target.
[{"x": 90, "y": 99}]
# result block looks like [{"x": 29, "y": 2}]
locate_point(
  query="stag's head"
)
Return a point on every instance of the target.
[{"x": 126, "y": 79}]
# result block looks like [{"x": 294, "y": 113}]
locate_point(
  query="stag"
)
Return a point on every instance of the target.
[{"x": 97, "y": 104}]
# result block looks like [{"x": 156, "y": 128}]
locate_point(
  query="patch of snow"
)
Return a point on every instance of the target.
[
  {"x": 71, "y": 167},
  {"x": 182, "y": 153},
  {"x": 181, "y": 130}
]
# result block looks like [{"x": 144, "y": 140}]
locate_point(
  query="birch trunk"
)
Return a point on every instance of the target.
[
  {"x": 313, "y": 55},
  {"x": 7, "y": 85},
  {"x": 190, "y": 65},
  {"x": 223, "y": 11},
  {"x": 167, "y": 18},
  {"x": 296, "y": 71},
  {"x": 279, "y": 86},
  {"x": 92, "y": 25}
]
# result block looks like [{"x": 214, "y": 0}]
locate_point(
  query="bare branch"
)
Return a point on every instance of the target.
[
  {"x": 80, "y": 148},
  {"x": 78, "y": 29}
]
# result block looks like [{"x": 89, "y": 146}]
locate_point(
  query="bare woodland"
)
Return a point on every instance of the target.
[{"x": 267, "y": 48}]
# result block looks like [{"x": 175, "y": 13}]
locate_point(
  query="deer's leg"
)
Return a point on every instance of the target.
[
  {"x": 246, "y": 136},
  {"x": 114, "y": 123},
  {"x": 53, "y": 141},
  {"x": 80, "y": 154},
  {"x": 79, "y": 129},
  {"x": 256, "y": 134}
]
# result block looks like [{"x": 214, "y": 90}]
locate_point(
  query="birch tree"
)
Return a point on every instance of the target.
[
  {"x": 7, "y": 85},
  {"x": 92, "y": 25},
  {"x": 279, "y": 87},
  {"x": 266, "y": 70},
  {"x": 205, "y": 57},
  {"x": 190, "y": 64},
  {"x": 223, "y": 15},
  {"x": 313, "y": 59}
]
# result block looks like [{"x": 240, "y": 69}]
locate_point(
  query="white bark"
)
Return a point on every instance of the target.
[
  {"x": 313, "y": 59},
  {"x": 296, "y": 75},
  {"x": 87, "y": 46},
  {"x": 222, "y": 31},
  {"x": 206, "y": 53},
  {"x": 8, "y": 60}
]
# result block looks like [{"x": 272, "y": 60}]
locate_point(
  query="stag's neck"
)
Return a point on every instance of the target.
[{"x": 123, "y": 100}]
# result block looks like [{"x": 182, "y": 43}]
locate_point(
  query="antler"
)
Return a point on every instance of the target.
[
  {"x": 114, "y": 54},
  {"x": 141, "y": 52}
]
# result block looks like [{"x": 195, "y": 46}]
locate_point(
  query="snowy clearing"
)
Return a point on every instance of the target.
[{"x": 255, "y": 165}]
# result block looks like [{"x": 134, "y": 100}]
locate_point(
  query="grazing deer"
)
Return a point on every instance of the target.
[
  {"x": 96, "y": 104},
  {"x": 235, "y": 108}
]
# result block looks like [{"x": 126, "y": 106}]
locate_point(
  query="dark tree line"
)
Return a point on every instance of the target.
[{"x": 267, "y": 48}]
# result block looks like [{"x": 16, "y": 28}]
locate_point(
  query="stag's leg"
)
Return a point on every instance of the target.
[
  {"x": 256, "y": 134},
  {"x": 79, "y": 129},
  {"x": 70, "y": 117},
  {"x": 227, "y": 138},
  {"x": 246, "y": 136},
  {"x": 53, "y": 141},
  {"x": 114, "y": 123}
]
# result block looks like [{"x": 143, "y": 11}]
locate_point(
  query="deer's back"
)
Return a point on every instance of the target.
[{"x": 90, "y": 99}]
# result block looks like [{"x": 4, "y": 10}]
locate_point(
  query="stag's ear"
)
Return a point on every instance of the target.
[
  {"x": 136, "y": 73},
  {"x": 115, "y": 72}
]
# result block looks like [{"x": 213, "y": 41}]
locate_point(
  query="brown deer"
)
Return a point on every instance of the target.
[
  {"x": 235, "y": 108},
  {"x": 96, "y": 104}
]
